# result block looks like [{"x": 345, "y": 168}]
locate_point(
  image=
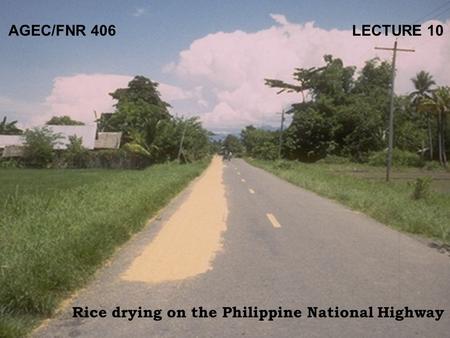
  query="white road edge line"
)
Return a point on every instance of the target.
[
  {"x": 273, "y": 220},
  {"x": 251, "y": 190}
]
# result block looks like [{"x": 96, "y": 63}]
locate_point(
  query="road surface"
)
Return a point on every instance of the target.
[{"x": 239, "y": 236}]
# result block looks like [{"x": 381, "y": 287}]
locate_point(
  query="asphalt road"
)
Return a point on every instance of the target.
[{"x": 283, "y": 247}]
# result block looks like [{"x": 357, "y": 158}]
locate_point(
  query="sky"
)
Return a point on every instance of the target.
[{"x": 210, "y": 57}]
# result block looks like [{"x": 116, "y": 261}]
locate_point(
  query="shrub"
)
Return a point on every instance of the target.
[
  {"x": 422, "y": 187},
  {"x": 266, "y": 151},
  {"x": 80, "y": 158},
  {"x": 75, "y": 155},
  {"x": 334, "y": 159},
  {"x": 10, "y": 163},
  {"x": 432, "y": 165},
  {"x": 118, "y": 159},
  {"x": 38, "y": 149},
  {"x": 399, "y": 158},
  {"x": 135, "y": 148},
  {"x": 283, "y": 164}
]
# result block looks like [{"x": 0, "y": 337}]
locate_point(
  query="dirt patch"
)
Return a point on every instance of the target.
[{"x": 188, "y": 242}]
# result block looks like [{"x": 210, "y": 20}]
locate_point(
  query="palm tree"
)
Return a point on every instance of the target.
[
  {"x": 423, "y": 83},
  {"x": 439, "y": 104},
  {"x": 9, "y": 128}
]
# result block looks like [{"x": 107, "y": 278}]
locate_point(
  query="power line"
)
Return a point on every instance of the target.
[
  {"x": 432, "y": 13},
  {"x": 438, "y": 15}
]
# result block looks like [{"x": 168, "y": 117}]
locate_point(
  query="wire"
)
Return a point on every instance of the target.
[
  {"x": 438, "y": 15},
  {"x": 432, "y": 13},
  {"x": 435, "y": 13}
]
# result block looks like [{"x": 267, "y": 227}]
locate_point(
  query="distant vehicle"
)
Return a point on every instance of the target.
[{"x": 227, "y": 155}]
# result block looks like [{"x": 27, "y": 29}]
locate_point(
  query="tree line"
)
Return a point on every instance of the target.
[{"x": 343, "y": 113}]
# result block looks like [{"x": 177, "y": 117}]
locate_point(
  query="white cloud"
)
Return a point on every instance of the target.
[
  {"x": 173, "y": 93},
  {"x": 281, "y": 19},
  {"x": 232, "y": 66},
  {"x": 139, "y": 12},
  {"x": 80, "y": 95}
]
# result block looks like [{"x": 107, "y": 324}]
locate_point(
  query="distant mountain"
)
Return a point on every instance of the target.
[
  {"x": 268, "y": 127},
  {"x": 220, "y": 135}
]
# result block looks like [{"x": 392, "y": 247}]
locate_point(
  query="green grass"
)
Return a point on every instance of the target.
[
  {"x": 390, "y": 204},
  {"x": 58, "y": 226}
]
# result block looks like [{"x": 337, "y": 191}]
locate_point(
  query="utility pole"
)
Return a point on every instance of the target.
[
  {"x": 180, "y": 149},
  {"x": 281, "y": 134},
  {"x": 391, "y": 108}
]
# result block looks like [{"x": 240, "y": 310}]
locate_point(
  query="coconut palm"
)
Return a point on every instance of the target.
[
  {"x": 439, "y": 104},
  {"x": 422, "y": 84},
  {"x": 9, "y": 128}
]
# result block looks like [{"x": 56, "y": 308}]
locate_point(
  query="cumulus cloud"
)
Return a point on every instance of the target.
[
  {"x": 80, "y": 95},
  {"x": 173, "y": 93},
  {"x": 232, "y": 66}
]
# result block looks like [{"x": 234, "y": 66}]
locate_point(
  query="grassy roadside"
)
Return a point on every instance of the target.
[
  {"x": 390, "y": 204},
  {"x": 58, "y": 226}
]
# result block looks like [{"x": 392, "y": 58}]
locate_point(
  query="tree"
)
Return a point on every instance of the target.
[
  {"x": 176, "y": 132},
  {"x": 361, "y": 120},
  {"x": 439, "y": 105},
  {"x": 147, "y": 126},
  {"x": 309, "y": 137},
  {"x": 63, "y": 121},
  {"x": 410, "y": 126},
  {"x": 9, "y": 128},
  {"x": 139, "y": 109},
  {"x": 75, "y": 155},
  {"x": 39, "y": 144},
  {"x": 301, "y": 75},
  {"x": 343, "y": 116},
  {"x": 260, "y": 143},
  {"x": 422, "y": 84},
  {"x": 196, "y": 142},
  {"x": 232, "y": 144}
]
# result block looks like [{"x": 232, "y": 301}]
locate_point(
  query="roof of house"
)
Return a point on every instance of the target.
[
  {"x": 86, "y": 133},
  {"x": 108, "y": 140},
  {"x": 11, "y": 140}
]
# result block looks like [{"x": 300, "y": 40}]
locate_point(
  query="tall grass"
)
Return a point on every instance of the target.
[
  {"x": 57, "y": 227},
  {"x": 392, "y": 204}
]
